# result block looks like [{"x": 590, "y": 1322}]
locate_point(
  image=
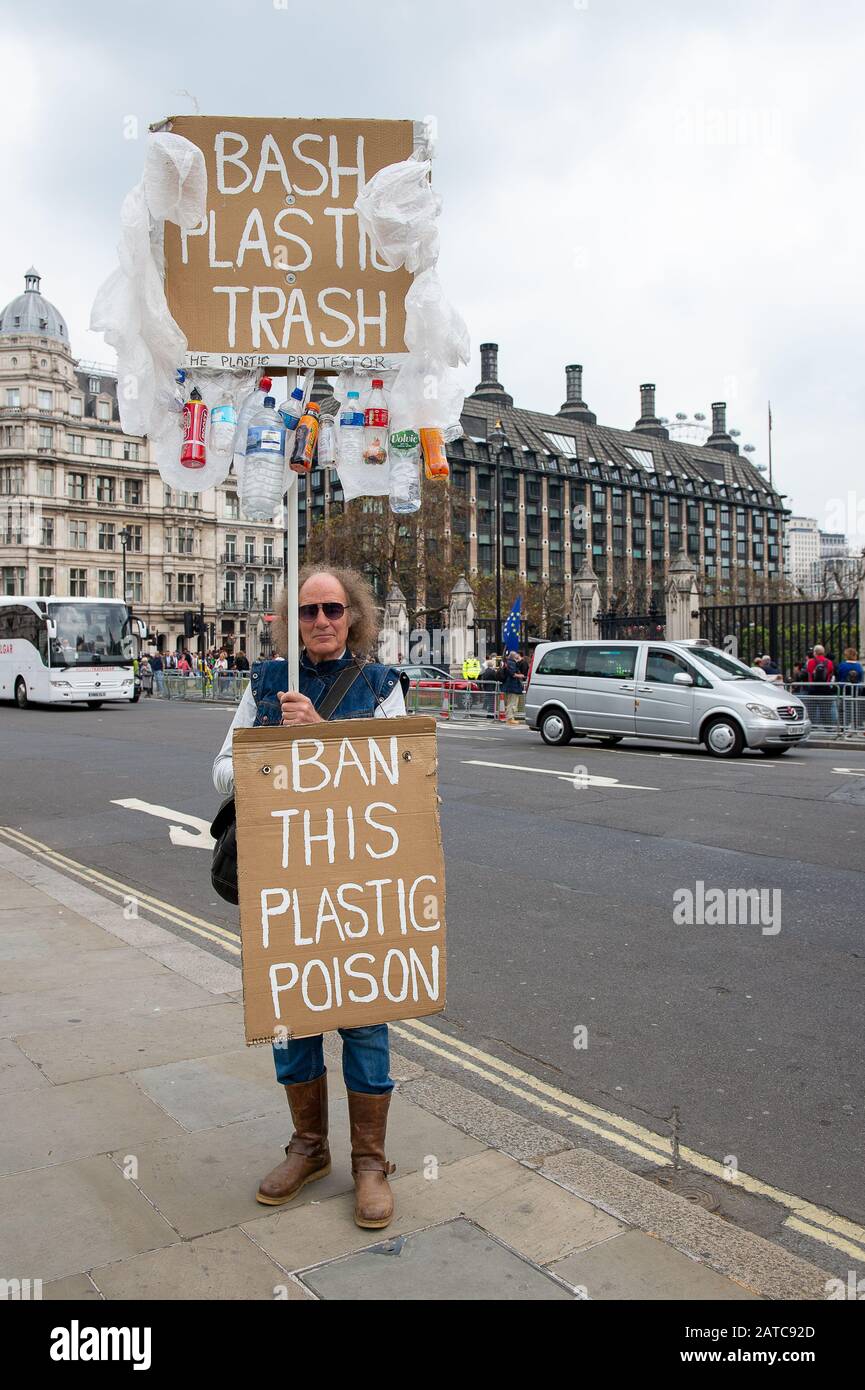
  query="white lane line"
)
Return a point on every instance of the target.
[
  {"x": 199, "y": 837},
  {"x": 576, "y": 778},
  {"x": 850, "y": 771}
]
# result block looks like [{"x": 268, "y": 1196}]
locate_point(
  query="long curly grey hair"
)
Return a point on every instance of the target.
[{"x": 364, "y": 625}]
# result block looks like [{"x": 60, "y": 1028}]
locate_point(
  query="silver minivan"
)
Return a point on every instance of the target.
[{"x": 688, "y": 691}]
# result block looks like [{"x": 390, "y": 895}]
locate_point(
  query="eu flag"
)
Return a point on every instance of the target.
[{"x": 511, "y": 629}]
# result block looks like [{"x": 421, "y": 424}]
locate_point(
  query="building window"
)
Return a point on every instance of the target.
[
  {"x": 95, "y": 386},
  {"x": 45, "y": 480},
  {"x": 268, "y": 552},
  {"x": 134, "y": 586},
  {"x": 104, "y": 489},
  {"x": 76, "y": 443},
  {"x": 185, "y": 538},
  {"x": 45, "y": 400},
  {"x": 267, "y": 591},
  {"x": 231, "y": 549},
  {"x": 47, "y": 531},
  {"x": 106, "y": 583},
  {"x": 46, "y": 437},
  {"x": 249, "y": 591},
  {"x": 106, "y": 535},
  {"x": 186, "y": 588},
  {"x": 76, "y": 486},
  {"x": 77, "y": 583},
  {"x": 132, "y": 492},
  {"x": 13, "y": 398},
  {"x": 11, "y": 480},
  {"x": 76, "y": 405},
  {"x": 249, "y": 550},
  {"x": 232, "y": 506},
  {"x": 134, "y": 541},
  {"x": 102, "y": 448},
  {"x": 131, "y": 452},
  {"x": 231, "y": 588},
  {"x": 46, "y": 581},
  {"x": 78, "y": 535},
  {"x": 13, "y": 579},
  {"x": 12, "y": 436},
  {"x": 103, "y": 410}
]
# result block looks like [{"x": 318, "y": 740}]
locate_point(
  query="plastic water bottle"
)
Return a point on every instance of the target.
[
  {"x": 375, "y": 426},
  {"x": 223, "y": 428},
  {"x": 404, "y": 453},
  {"x": 253, "y": 402},
  {"x": 263, "y": 480},
  {"x": 351, "y": 432},
  {"x": 292, "y": 409},
  {"x": 326, "y": 442}
]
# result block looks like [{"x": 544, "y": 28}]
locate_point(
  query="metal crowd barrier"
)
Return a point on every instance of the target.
[
  {"x": 835, "y": 711},
  {"x": 450, "y": 701},
  {"x": 222, "y": 687}
]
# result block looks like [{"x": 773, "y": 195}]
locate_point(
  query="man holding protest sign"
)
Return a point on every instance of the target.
[{"x": 338, "y": 627}]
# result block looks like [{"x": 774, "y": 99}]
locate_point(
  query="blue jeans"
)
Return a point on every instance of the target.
[{"x": 365, "y": 1059}]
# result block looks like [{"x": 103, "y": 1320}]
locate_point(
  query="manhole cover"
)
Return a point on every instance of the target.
[{"x": 687, "y": 1185}]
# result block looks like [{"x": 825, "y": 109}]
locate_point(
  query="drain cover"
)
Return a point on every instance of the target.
[{"x": 687, "y": 1185}]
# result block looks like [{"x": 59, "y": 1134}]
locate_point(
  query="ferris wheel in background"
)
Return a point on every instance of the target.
[{"x": 695, "y": 429}]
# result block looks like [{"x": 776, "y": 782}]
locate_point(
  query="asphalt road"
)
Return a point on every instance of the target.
[{"x": 561, "y": 914}]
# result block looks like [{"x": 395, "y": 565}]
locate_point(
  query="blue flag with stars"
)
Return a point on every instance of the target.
[{"x": 511, "y": 629}]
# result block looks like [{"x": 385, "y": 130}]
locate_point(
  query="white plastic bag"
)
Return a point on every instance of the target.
[
  {"x": 432, "y": 324},
  {"x": 397, "y": 209}
]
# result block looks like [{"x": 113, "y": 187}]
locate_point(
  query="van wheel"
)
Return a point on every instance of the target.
[
  {"x": 94, "y": 704},
  {"x": 555, "y": 728},
  {"x": 723, "y": 738},
  {"x": 610, "y": 740},
  {"x": 21, "y": 694}
]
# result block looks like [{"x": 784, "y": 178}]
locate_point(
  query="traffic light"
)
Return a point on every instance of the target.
[
  {"x": 189, "y": 627},
  {"x": 200, "y": 626}
]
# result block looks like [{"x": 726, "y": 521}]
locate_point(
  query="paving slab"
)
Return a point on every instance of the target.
[
  {"x": 31, "y": 935},
  {"x": 75, "y": 1288},
  {"x": 17, "y": 1072},
  {"x": 300, "y": 1236},
  {"x": 217, "y": 1267},
  {"x": 62, "y": 1220},
  {"x": 755, "y": 1263},
  {"x": 456, "y": 1261},
  {"x": 207, "y": 1180},
  {"x": 206, "y": 1091},
  {"x": 635, "y": 1265},
  {"x": 112, "y": 1001},
  {"x": 57, "y": 1123},
  {"x": 65, "y": 968},
  {"x": 76, "y": 1052},
  {"x": 476, "y": 1115}
]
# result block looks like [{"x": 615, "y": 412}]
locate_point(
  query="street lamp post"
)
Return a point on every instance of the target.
[
  {"x": 125, "y": 537},
  {"x": 496, "y": 439}
]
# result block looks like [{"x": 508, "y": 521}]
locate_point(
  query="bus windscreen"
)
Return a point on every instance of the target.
[{"x": 88, "y": 633}]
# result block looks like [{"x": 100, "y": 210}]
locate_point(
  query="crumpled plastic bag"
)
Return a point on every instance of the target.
[
  {"x": 432, "y": 324},
  {"x": 425, "y": 395},
  {"x": 130, "y": 308},
  {"x": 397, "y": 209},
  {"x": 215, "y": 388}
]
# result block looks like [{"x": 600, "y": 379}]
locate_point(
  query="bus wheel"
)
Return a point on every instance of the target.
[
  {"x": 21, "y": 694},
  {"x": 94, "y": 704}
]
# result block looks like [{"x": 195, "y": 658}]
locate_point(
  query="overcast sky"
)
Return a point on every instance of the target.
[{"x": 666, "y": 192}]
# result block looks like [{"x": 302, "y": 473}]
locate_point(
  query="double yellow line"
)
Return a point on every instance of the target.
[{"x": 804, "y": 1217}]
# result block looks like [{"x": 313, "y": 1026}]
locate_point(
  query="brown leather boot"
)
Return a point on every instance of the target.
[
  {"x": 307, "y": 1156},
  {"x": 373, "y": 1199}
]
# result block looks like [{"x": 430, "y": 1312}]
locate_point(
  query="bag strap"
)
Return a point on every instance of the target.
[{"x": 337, "y": 692}]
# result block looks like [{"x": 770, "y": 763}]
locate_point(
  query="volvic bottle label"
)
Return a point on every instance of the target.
[{"x": 405, "y": 441}]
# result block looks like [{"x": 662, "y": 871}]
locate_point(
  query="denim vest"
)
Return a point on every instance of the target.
[{"x": 269, "y": 677}]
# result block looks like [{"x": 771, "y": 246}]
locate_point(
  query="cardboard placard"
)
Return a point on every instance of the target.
[
  {"x": 278, "y": 271},
  {"x": 341, "y": 875}
]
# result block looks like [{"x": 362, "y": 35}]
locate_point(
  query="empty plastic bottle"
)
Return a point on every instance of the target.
[
  {"x": 351, "y": 432},
  {"x": 292, "y": 409},
  {"x": 375, "y": 426},
  {"x": 262, "y": 482},
  {"x": 326, "y": 441},
  {"x": 404, "y": 483}
]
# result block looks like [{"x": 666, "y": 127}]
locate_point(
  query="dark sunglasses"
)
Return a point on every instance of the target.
[{"x": 308, "y": 612}]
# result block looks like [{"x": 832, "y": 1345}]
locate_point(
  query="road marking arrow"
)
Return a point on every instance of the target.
[
  {"x": 576, "y": 778},
  {"x": 199, "y": 837}
]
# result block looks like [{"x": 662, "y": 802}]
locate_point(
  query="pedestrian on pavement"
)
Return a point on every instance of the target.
[
  {"x": 512, "y": 686},
  {"x": 850, "y": 678},
  {"x": 338, "y": 628},
  {"x": 156, "y": 667},
  {"x": 146, "y": 673},
  {"x": 241, "y": 661},
  {"x": 820, "y": 674},
  {"x": 183, "y": 664},
  {"x": 489, "y": 680}
]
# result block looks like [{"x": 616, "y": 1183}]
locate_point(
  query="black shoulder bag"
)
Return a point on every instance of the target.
[{"x": 223, "y": 865}]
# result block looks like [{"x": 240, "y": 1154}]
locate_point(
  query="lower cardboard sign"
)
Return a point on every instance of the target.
[{"x": 340, "y": 875}]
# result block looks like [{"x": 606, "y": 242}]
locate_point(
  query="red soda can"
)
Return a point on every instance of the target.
[{"x": 193, "y": 451}]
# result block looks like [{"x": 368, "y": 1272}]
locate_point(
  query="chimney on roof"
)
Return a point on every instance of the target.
[
  {"x": 648, "y": 422},
  {"x": 575, "y": 407},
  {"x": 489, "y": 388},
  {"x": 719, "y": 438}
]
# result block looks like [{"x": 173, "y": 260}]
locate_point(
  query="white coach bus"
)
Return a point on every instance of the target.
[{"x": 61, "y": 651}]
